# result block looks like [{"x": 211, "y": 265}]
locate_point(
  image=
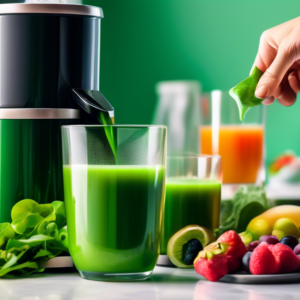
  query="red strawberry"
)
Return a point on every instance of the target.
[
  {"x": 272, "y": 259},
  {"x": 237, "y": 247},
  {"x": 221, "y": 257},
  {"x": 289, "y": 261},
  {"x": 212, "y": 269},
  {"x": 263, "y": 261}
]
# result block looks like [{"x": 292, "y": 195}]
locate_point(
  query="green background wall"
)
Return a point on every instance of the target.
[{"x": 213, "y": 41}]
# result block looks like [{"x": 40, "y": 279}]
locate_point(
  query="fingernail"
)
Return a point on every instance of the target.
[
  {"x": 292, "y": 74},
  {"x": 268, "y": 100},
  {"x": 262, "y": 92}
]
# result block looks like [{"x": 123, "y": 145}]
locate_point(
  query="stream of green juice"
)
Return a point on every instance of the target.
[
  {"x": 114, "y": 216},
  {"x": 190, "y": 202}
]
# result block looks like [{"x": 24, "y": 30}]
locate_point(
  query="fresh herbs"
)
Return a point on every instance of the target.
[
  {"x": 247, "y": 203},
  {"x": 36, "y": 234}
]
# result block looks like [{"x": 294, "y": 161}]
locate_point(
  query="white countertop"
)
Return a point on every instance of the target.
[{"x": 165, "y": 283}]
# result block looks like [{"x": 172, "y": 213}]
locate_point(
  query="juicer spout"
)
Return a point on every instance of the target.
[{"x": 95, "y": 104}]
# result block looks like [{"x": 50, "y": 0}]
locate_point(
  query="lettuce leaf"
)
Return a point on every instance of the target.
[{"x": 37, "y": 233}]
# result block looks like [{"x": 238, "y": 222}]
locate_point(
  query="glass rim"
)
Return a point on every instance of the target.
[
  {"x": 193, "y": 156},
  {"x": 115, "y": 126}
]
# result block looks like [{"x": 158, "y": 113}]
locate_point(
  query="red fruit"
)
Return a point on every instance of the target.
[
  {"x": 221, "y": 257},
  {"x": 252, "y": 246},
  {"x": 263, "y": 261},
  {"x": 212, "y": 269},
  {"x": 237, "y": 247},
  {"x": 281, "y": 161},
  {"x": 289, "y": 262}
]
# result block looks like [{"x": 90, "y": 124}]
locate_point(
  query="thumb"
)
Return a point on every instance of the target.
[{"x": 271, "y": 79}]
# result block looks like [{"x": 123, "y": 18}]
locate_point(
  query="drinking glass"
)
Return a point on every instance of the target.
[
  {"x": 240, "y": 143},
  {"x": 114, "y": 184},
  {"x": 193, "y": 193}
]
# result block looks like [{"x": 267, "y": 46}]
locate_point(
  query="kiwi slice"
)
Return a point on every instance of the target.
[{"x": 184, "y": 245}]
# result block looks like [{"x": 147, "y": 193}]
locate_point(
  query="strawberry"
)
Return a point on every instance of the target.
[
  {"x": 221, "y": 257},
  {"x": 263, "y": 261},
  {"x": 273, "y": 259}
]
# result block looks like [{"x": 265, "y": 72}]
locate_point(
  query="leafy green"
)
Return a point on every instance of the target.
[
  {"x": 247, "y": 203},
  {"x": 226, "y": 209},
  {"x": 27, "y": 214},
  {"x": 243, "y": 93},
  {"x": 6, "y": 232},
  {"x": 37, "y": 233}
]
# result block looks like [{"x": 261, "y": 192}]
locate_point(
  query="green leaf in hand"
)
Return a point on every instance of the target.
[
  {"x": 6, "y": 232},
  {"x": 243, "y": 93}
]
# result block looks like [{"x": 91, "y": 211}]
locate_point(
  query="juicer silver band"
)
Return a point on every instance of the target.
[
  {"x": 39, "y": 113},
  {"x": 60, "y": 9}
]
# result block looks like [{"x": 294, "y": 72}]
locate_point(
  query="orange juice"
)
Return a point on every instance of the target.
[{"x": 241, "y": 150}]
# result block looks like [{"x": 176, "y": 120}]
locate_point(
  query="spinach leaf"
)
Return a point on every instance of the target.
[
  {"x": 6, "y": 232},
  {"x": 27, "y": 214},
  {"x": 247, "y": 203},
  {"x": 37, "y": 233}
]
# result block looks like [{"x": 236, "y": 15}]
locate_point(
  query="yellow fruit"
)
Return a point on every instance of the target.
[
  {"x": 283, "y": 211},
  {"x": 287, "y": 226},
  {"x": 279, "y": 233},
  {"x": 259, "y": 227}
]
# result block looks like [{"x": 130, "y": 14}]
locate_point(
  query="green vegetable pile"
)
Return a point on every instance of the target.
[
  {"x": 36, "y": 234},
  {"x": 247, "y": 203}
]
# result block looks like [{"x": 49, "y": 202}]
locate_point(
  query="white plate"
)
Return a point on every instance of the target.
[
  {"x": 258, "y": 279},
  {"x": 58, "y": 262}
]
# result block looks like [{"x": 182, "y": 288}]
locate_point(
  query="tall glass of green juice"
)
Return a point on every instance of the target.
[
  {"x": 114, "y": 199},
  {"x": 193, "y": 194}
]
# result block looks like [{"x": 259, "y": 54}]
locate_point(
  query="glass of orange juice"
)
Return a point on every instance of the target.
[{"x": 239, "y": 143}]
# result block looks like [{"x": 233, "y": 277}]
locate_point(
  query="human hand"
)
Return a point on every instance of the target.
[{"x": 279, "y": 58}]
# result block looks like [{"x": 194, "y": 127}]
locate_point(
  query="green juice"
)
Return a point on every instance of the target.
[
  {"x": 189, "y": 202},
  {"x": 114, "y": 216}
]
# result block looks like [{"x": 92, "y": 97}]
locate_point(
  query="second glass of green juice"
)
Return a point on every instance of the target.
[
  {"x": 193, "y": 195},
  {"x": 114, "y": 198}
]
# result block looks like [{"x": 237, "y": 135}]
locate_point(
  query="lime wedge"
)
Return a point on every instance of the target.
[{"x": 179, "y": 243}]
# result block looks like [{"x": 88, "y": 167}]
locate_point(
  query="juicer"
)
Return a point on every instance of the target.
[{"x": 49, "y": 76}]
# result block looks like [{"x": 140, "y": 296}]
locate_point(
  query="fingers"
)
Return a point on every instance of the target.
[
  {"x": 258, "y": 62},
  {"x": 287, "y": 91},
  {"x": 291, "y": 89},
  {"x": 273, "y": 76},
  {"x": 294, "y": 81},
  {"x": 288, "y": 96},
  {"x": 269, "y": 100},
  {"x": 277, "y": 94}
]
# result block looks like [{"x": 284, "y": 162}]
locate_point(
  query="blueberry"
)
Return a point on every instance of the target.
[
  {"x": 191, "y": 250},
  {"x": 290, "y": 240},
  {"x": 246, "y": 261}
]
